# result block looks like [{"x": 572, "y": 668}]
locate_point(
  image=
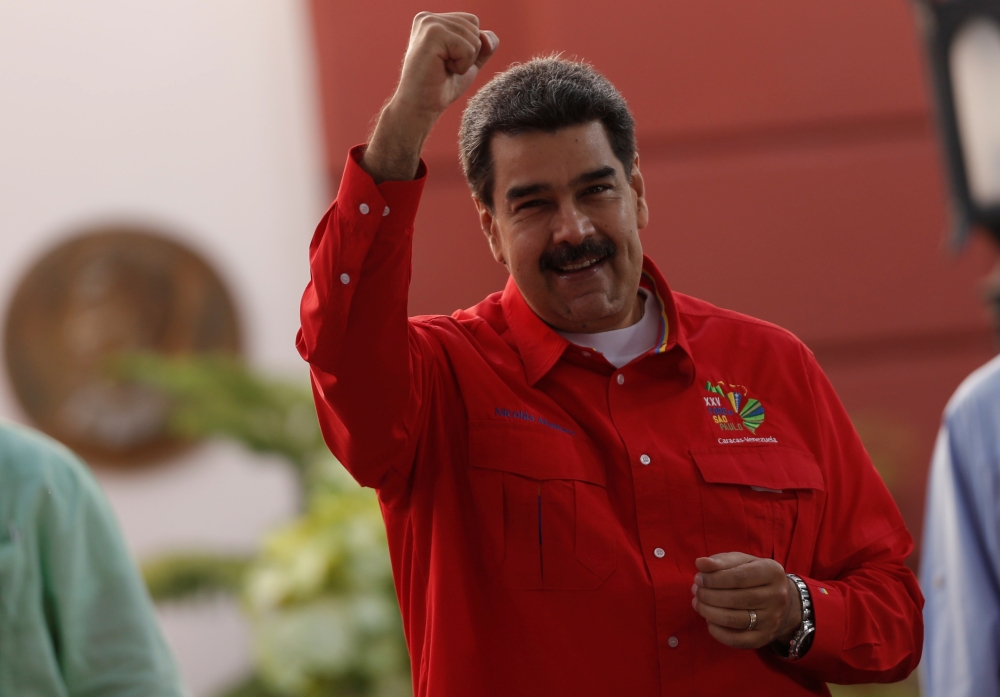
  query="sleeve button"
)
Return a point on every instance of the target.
[
  {"x": 364, "y": 208},
  {"x": 385, "y": 211},
  {"x": 345, "y": 279}
]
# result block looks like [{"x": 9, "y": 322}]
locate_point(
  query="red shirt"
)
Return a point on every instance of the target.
[{"x": 544, "y": 509}]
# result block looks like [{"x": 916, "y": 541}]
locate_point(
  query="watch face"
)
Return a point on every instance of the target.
[
  {"x": 105, "y": 293},
  {"x": 808, "y": 631}
]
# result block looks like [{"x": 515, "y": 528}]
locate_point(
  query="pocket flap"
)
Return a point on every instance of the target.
[
  {"x": 532, "y": 450},
  {"x": 768, "y": 467}
]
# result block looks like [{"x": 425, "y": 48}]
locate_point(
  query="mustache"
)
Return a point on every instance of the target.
[{"x": 566, "y": 254}]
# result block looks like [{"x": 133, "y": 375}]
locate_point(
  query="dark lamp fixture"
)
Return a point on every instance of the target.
[{"x": 963, "y": 42}]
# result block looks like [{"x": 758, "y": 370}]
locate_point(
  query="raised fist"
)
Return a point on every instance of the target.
[{"x": 445, "y": 55}]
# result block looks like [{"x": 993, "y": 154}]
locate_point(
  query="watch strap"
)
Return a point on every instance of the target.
[{"x": 802, "y": 640}]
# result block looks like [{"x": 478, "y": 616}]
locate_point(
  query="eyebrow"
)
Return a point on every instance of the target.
[{"x": 516, "y": 192}]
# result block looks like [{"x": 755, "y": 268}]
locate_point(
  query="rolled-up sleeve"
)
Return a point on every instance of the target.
[{"x": 368, "y": 364}]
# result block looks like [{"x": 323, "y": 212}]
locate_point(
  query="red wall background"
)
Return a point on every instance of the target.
[{"x": 792, "y": 169}]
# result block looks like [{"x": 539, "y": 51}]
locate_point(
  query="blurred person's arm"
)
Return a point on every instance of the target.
[
  {"x": 371, "y": 370},
  {"x": 79, "y": 619},
  {"x": 961, "y": 555}
]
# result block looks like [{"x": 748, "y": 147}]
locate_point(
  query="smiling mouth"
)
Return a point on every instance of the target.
[
  {"x": 581, "y": 264},
  {"x": 567, "y": 260}
]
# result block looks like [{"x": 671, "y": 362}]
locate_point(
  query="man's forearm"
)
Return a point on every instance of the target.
[
  {"x": 445, "y": 54},
  {"x": 393, "y": 153}
]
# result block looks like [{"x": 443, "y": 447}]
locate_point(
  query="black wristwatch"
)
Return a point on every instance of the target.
[{"x": 803, "y": 638}]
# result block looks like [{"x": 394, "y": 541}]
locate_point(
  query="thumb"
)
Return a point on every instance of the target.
[
  {"x": 490, "y": 42},
  {"x": 720, "y": 562}
]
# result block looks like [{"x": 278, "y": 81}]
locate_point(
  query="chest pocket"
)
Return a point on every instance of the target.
[
  {"x": 542, "y": 507},
  {"x": 759, "y": 500}
]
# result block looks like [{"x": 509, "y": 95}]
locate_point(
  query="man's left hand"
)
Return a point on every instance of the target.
[{"x": 727, "y": 586}]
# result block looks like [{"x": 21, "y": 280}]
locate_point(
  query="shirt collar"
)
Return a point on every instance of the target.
[
  {"x": 671, "y": 333},
  {"x": 541, "y": 347}
]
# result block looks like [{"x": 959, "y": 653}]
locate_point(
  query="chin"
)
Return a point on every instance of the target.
[{"x": 585, "y": 312}]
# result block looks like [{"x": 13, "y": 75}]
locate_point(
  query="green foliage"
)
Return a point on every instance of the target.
[
  {"x": 219, "y": 396},
  {"x": 319, "y": 592},
  {"x": 185, "y": 576},
  {"x": 321, "y": 599},
  {"x": 252, "y": 686}
]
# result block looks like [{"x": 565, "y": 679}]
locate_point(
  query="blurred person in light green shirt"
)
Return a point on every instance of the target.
[{"x": 75, "y": 617}]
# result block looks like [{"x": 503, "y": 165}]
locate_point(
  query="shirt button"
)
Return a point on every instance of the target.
[
  {"x": 621, "y": 379},
  {"x": 345, "y": 279},
  {"x": 364, "y": 209},
  {"x": 672, "y": 642},
  {"x": 659, "y": 553},
  {"x": 586, "y": 353},
  {"x": 385, "y": 211},
  {"x": 644, "y": 459}
]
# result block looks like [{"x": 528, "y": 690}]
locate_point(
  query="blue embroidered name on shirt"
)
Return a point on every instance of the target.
[{"x": 523, "y": 415}]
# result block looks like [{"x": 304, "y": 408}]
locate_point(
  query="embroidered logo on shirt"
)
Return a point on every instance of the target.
[{"x": 732, "y": 408}]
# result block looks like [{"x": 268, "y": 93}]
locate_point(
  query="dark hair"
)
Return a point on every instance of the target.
[{"x": 544, "y": 94}]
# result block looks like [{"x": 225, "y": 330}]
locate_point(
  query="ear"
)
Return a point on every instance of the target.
[
  {"x": 488, "y": 222},
  {"x": 639, "y": 190}
]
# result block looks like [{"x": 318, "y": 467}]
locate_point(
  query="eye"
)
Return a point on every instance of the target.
[
  {"x": 533, "y": 203},
  {"x": 596, "y": 189}
]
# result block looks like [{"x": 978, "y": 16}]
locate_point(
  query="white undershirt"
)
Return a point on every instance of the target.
[{"x": 621, "y": 346}]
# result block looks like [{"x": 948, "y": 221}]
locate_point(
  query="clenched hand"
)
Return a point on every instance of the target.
[
  {"x": 727, "y": 586},
  {"x": 445, "y": 54}
]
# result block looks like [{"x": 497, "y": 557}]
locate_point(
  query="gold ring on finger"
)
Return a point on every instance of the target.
[{"x": 753, "y": 620}]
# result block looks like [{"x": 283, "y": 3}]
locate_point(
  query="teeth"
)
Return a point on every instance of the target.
[{"x": 581, "y": 265}]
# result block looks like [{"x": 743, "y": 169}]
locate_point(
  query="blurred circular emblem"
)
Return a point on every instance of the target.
[{"x": 108, "y": 292}]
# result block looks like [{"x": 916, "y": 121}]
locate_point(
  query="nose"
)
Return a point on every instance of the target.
[{"x": 571, "y": 225}]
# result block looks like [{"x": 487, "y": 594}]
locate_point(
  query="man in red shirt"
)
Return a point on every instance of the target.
[{"x": 591, "y": 485}]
